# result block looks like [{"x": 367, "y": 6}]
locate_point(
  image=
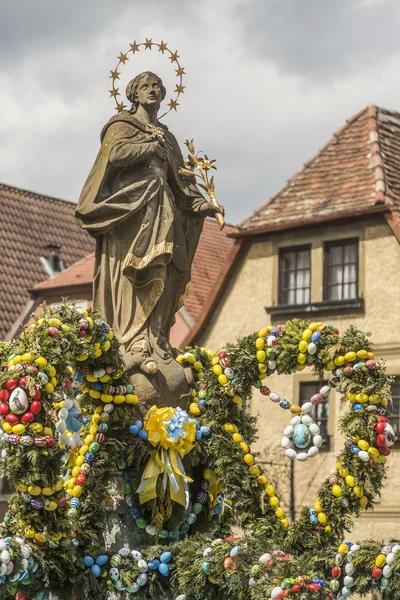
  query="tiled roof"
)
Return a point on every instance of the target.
[
  {"x": 357, "y": 171},
  {"x": 209, "y": 261},
  {"x": 28, "y": 223}
]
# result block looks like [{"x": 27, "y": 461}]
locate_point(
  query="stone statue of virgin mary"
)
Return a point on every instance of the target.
[{"x": 146, "y": 218}]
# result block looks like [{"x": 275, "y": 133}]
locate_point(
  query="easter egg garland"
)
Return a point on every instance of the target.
[{"x": 63, "y": 389}]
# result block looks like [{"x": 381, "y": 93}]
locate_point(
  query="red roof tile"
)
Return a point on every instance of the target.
[
  {"x": 355, "y": 172},
  {"x": 209, "y": 261},
  {"x": 28, "y": 223}
]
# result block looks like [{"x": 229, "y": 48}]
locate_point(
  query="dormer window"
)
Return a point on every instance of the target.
[{"x": 51, "y": 260}]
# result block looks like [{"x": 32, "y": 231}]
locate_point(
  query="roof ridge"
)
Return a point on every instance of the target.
[
  {"x": 307, "y": 164},
  {"x": 36, "y": 194}
]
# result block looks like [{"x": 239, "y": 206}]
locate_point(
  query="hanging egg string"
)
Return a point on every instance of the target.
[
  {"x": 148, "y": 45},
  {"x": 113, "y": 567}
]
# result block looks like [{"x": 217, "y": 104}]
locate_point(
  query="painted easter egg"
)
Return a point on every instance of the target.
[
  {"x": 164, "y": 569},
  {"x": 74, "y": 420},
  {"x": 301, "y": 435},
  {"x": 18, "y": 402},
  {"x": 142, "y": 579},
  {"x": 115, "y": 560},
  {"x": 114, "y": 573}
]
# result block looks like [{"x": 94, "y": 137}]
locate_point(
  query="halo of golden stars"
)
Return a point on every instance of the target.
[{"x": 148, "y": 45}]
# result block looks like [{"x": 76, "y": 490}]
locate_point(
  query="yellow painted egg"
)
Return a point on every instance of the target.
[
  {"x": 270, "y": 490},
  {"x": 263, "y": 480},
  {"x": 49, "y": 388},
  {"x": 106, "y": 398},
  {"x": 336, "y": 491},
  {"x": 18, "y": 429},
  {"x": 322, "y": 518},
  {"x": 363, "y": 444},
  {"x": 254, "y": 470},
  {"x": 7, "y": 427},
  {"x": 82, "y": 357},
  {"x": 51, "y": 371},
  {"x": 301, "y": 358},
  {"x": 363, "y": 501},
  {"x": 280, "y": 513},
  {"x": 237, "y": 400},
  {"x": 105, "y": 378},
  {"x": 350, "y": 356},
  {"x": 131, "y": 399},
  {"x": 307, "y": 333},
  {"x": 261, "y": 356},
  {"x": 217, "y": 370},
  {"x": 40, "y": 537},
  {"x": 339, "y": 360},
  {"x": 222, "y": 379},
  {"x": 49, "y": 491},
  {"x": 262, "y": 333},
  {"x": 350, "y": 481},
  {"x": 303, "y": 345},
  {"x": 260, "y": 343},
  {"x": 244, "y": 447},
  {"x": 274, "y": 501},
  {"x": 34, "y": 490},
  {"x": 50, "y": 506},
  {"x": 106, "y": 346},
  {"x": 119, "y": 399},
  {"x": 194, "y": 409},
  {"x": 41, "y": 361},
  {"x": 380, "y": 560},
  {"x": 76, "y": 491},
  {"x": 237, "y": 437},
  {"x": 58, "y": 486}
]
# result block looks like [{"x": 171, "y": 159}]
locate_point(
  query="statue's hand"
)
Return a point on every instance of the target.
[
  {"x": 160, "y": 150},
  {"x": 208, "y": 209}
]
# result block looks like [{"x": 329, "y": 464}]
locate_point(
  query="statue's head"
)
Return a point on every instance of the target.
[{"x": 146, "y": 89}]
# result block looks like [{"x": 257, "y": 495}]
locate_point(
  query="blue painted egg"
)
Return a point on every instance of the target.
[
  {"x": 95, "y": 570},
  {"x": 235, "y": 551},
  {"x": 191, "y": 518},
  {"x": 135, "y": 512},
  {"x": 88, "y": 561},
  {"x": 143, "y": 434},
  {"x": 166, "y": 557},
  {"x": 206, "y": 568},
  {"x": 198, "y": 435},
  {"x": 354, "y": 449},
  {"x": 74, "y": 420},
  {"x": 301, "y": 435},
  {"x": 357, "y": 406},
  {"x": 163, "y": 569},
  {"x": 218, "y": 509},
  {"x": 315, "y": 336},
  {"x": 133, "y": 429},
  {"x": 89, "y": 457},
  {"x": 102, "y": 560},
  {"x": 205, "y": 430},
  {"x": 139, "y": 424},
  {"x": 153, "y": 564}
]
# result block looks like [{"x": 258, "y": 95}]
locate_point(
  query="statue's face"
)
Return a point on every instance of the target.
[{"x": 149, "y": 91}]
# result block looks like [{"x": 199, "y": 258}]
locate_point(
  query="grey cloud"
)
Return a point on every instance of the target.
[{"x": 321, "y": 39}]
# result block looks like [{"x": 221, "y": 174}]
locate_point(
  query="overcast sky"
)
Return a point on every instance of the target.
[{"x": 268, "y": 81}]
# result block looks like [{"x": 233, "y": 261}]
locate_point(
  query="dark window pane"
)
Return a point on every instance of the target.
[
  {"x": 341, "y": 275},
  {"x": 320, "y": 412},
  {"x": 295, "y": 276}
]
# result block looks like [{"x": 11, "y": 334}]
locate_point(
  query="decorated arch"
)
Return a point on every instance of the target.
[{"x": 71, "y": 425}]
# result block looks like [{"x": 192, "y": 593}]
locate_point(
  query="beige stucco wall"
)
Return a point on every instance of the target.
[{"x": 242, "y": 310}]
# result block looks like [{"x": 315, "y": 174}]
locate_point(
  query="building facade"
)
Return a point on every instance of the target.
[{"x": 326, "y": 247}]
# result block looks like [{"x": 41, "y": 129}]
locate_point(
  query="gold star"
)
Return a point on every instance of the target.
[
  {"x": 123, "y": 58},
  {"x": 148, "y": 43},
  {"x": 174, "y": 56},
  {"x": 114, "y": 75},
  {"x": 162, "y": 47},
  {"x": 120, "y": 106},
  {"x": 134, "y": 47},
  {"x": 173, "y": 104},
  {"x": 179, "y": 89},
  {"x": 180, "y": 71},
  {"x": 114, "y": 92}
]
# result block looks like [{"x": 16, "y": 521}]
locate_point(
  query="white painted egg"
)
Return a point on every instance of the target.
[
  {"x": 3, "y": 569},
  {"x": 307, "y": 407},
  {"x": 348, "y": 581},
  {"x": 314, "y": 429},
  {"x": 5, "y": 556},
  {"x": 274, "y": 397},
  {"x": 324, "y": 391},
  {"x": 265, "y": 559},
  {"x": 124, "y": 552},
  {"x": 136, "y": 554},
  {"x": 302, "y": 456},
  {"x": 99, "y": 373},
  {"x": 345, "y": 592},
  {"x": 207, "y": 552},
  {"x": 307, "y": 420},
  {"x": 151, "y": 529},
  {"x": 387, "y": 571},
  {"x": 289, "y": 431},
  {"x": 313, "y": 451},
  {"x": 142, "y": 565},
  {"x": 390, "y": 558},
  {"x": 67, "y": 404},
  {"x": 108, "y": 408},
  {"x": 276, "y": 592},
  {"x": 363, "y": 455},
  {"x": 396, "y": 548},
  {"x": 312, "y": 348},
  {"x": 355, "y": 547},
  {"x": 286, "y": 442},
  {"x": 272, "y": 364},
  {"x": 142, "y": 579},
  {"x": 384, "y": 582},
  {"x": 18, "y": 401},
  {"x": 349, "y": 568},
  {"x": 317, "y": 441},
  {"x": 295, "y": 421},
  {"x": 290, "y": 453}
]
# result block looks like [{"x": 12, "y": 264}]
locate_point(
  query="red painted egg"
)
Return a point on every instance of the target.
[
  {"x": 265, "y": 390},
  {"x": 21, "y": 596},
  {"x": 384, "y": 450},
  {"x": 11, "y": 384},
  {"x": 31, "y": 369},
  {"x": 4, "y": 409},
  {"x": 313, "y": 587},
  {"x": 36, "y": 407},
  {"x": 4, "y": 395},
  {"x": 296, "y": 588},
  {"x": 380, "y": 427},
  {"x": 376, "y": 573},
  {"x": 23, "y": 381},
  {"x": 380, "y": 440},
  {"x": 372, "y": 463},
  {"x": 62, "y": 501},
  {"x": 222, "y": 354},
  {"x": 51, "y": 442},
  {"x": 53, "y": 331},
  {"x": 83, "y": 333},
  {"x": 36, "y": 395},
  {"x": 12, "y": 419},
  {"x": 28, "y": 417},
  {"x": 81, "y": 479},
  {"x": 336, "y": 330},
  {"x": 38, "y": 543},
  {"x": 336, "y": 572}
]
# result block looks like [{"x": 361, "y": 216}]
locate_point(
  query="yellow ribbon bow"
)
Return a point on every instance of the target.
[{"x": 166, "y": 457}]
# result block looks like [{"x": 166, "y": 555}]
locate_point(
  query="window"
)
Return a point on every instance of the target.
[
  {"x": 320, "y": 411},
  {"x": 6, "y": 487},
  {"x": 294, "y": 275},
  {"x": 341, "y": 270},
  {"x": 394, "y": 410}
]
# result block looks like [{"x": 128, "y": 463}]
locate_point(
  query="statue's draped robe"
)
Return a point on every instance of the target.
[{"x": 144, "y": 216}]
